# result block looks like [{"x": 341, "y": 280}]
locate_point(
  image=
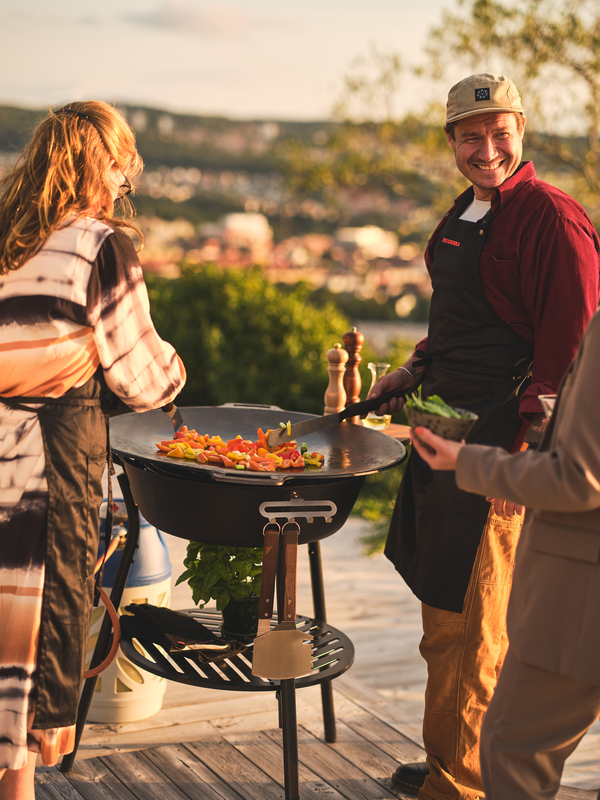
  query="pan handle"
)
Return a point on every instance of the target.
[
  {"x": 250, "y": 405},
  {"x": 266, "y": 479}
]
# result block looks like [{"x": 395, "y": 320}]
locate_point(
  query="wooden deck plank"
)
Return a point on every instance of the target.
[
  {"x": 570, "y": 793},
  {"x": 193, "y": 777},
  {"x": 384, "y": 736},
  {"x": 221, "y": 704},
  {"x": 141, "y": 777},
  {"x": 205, "y": 721},
  {"x": 95, "y": 781},
  {"x": 267, "y": 753},
  {"x": 410, "y": 725},
  {"x": 366, "y": 755},
  {"x": 242, "y": 775},
  {"x": 361, "y": 752},
  {"x": 50, "y": 784},
  {"x": 182, "y": 694},
  {"x": 350, "y": 781},
  {"x": 175, "y": 734}
]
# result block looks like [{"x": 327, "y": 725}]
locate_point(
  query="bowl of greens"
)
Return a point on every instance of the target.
[{"x": 433, "y": 413}]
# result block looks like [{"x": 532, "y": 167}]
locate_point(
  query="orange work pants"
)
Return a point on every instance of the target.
[{"x": 464, "y": 654}]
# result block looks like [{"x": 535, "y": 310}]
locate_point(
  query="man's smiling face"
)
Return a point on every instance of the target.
[{"x": 488, "y": 149}]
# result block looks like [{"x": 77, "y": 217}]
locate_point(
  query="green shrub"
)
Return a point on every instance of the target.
[{"x": 243, "y": 340}]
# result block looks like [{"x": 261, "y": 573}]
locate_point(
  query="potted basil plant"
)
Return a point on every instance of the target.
[{"x": 231, "y": 577}]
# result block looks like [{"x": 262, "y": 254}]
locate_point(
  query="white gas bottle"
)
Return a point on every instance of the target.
[{"x": 124, "y": 692}]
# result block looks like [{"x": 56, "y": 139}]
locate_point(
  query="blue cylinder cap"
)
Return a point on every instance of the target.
[{"x": 151, "y": 561}]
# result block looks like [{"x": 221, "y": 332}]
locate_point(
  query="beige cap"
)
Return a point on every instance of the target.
[{"x": 482, "y": 94}]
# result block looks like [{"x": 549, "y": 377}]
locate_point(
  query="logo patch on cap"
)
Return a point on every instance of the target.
[{"x": 482, "y": 94}]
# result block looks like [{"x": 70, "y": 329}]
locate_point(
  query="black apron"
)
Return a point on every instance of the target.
[
  {"x": 477, "y": 362},
  {"x": 75, "y": 433}
]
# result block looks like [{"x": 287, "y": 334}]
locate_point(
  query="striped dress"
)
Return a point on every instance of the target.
[{"x": 78, "y": 305}]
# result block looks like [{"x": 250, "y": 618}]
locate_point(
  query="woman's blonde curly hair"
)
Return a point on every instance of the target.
[{"x": 61, "y": 172}]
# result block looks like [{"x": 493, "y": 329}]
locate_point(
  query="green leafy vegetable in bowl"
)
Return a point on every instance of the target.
[
  {"x": 448, "y": 422},
  {"x": 434, "y": 405}
]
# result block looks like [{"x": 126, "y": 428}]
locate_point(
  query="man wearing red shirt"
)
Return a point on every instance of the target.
[{"x": 514, "y": 267}]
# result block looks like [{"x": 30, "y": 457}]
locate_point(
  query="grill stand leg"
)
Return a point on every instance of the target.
[
  {"x": 287, "y": 707},
  {"x": 103, "y": 645},
  {"x": 289, "y": 725},
  {"x": 318, "y": 592}
]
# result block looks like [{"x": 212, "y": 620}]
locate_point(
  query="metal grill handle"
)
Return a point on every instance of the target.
[{"x": 298, "y": 508}]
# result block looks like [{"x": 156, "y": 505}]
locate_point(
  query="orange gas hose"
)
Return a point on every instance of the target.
[{"x": 112, "y": 613}]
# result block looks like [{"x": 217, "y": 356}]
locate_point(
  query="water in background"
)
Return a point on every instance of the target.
[{"x": 379, "y": 334}]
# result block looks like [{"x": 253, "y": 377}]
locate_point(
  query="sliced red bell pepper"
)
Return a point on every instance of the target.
[
  {"x": 255, "y": 466},
  {"x": 262, "y": 438}
]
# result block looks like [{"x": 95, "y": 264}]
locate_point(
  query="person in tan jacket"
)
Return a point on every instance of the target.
[{"x": 548, "y": 693}]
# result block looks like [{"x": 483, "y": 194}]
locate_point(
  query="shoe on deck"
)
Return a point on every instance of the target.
[{"x": 410, "y": 777}]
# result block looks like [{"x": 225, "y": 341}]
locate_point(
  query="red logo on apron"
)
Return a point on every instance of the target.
[{"x": 451, "y": 241}]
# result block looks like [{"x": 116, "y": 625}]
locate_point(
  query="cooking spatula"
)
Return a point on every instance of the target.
[
  {"x": 175, "y": 414},
  {"x": 285, "y": 652},
  {"x": 301, "y": 429}
]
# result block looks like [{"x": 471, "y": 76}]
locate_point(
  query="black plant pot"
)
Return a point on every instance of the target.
[{"x": 240, "y": 619}]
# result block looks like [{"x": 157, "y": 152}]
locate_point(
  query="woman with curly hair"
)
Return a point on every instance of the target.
[{"x": 74, "y": 323}]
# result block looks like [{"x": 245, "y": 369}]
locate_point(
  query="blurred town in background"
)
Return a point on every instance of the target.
[
  {"x": 225, "y": 192},
  {"x": 345, "y": 206},
  {"x": 216, "y": 191}
]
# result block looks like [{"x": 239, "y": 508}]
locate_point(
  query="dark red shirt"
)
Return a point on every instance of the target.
[{"x": 540, "y": 273}]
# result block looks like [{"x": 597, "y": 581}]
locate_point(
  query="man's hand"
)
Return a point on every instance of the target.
[
  {"x": 505, "y": 508},
  {"x": 437, "y": 452},
  {"x": 398, "y": 381}
]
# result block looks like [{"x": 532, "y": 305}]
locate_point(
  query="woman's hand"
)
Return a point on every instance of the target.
[
  {"x": 398, "y": 381},
  {"x": 444, "y": 453}
]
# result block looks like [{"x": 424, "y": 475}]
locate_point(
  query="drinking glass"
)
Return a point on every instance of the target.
[{"x": 378, "y": 370}]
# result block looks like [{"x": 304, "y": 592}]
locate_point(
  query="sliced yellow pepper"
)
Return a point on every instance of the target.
[
  {"x": 176, "y": 452},
  {"x": 265, "y": 453},
  {"x": 235, "y": 455}
]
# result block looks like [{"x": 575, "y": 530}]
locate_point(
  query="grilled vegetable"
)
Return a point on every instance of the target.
[{"x": 239, "y": 453}]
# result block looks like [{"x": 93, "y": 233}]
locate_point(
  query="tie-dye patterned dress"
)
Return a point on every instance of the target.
[{"x": 79, "y": 305}]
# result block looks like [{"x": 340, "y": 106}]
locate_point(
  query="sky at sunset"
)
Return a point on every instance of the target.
[{"x": 245, "y": 58}]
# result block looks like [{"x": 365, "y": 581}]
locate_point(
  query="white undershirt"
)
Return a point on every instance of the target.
[{"x": 476, "y": 211}]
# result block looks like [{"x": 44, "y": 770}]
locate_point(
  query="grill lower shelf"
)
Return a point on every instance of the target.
[{"x": 332, "y": 654}]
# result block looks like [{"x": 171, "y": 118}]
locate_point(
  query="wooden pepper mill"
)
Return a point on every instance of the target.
[
  {"x": 353, "y": 342},
  {"x": 335, "y": 396}
]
